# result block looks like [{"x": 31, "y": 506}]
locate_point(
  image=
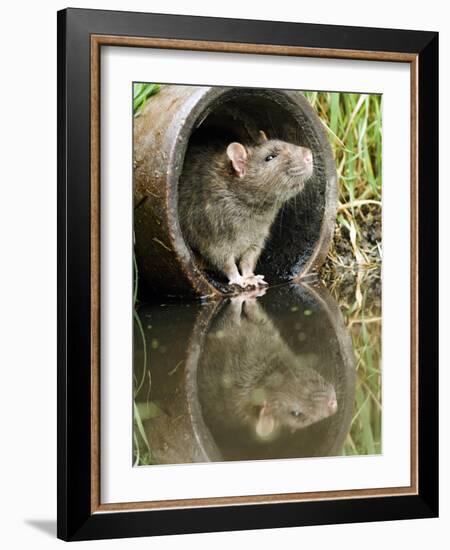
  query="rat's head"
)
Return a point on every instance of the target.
[
  {"x": 275, "y": 168},
  {"x": 294, "y": 400}
]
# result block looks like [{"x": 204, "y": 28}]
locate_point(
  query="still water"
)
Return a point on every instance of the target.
[{"x": 276, "y": 374}]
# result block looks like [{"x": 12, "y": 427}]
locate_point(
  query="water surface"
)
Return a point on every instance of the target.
[{"x": 252, "y": 377}]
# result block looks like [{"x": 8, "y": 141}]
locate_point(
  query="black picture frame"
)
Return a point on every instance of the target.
[{"x": 76, "y": 520}]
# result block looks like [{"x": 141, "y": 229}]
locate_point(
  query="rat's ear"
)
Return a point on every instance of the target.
[
  {"x": 266, "y": 422},
  {"x": 237, "y": 153},
  {"x": 262, "y": 137}
]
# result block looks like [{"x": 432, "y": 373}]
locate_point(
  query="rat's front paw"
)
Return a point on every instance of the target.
[
  {"x": 238, "y": 280},
  {"x": 255, "y": 280}
]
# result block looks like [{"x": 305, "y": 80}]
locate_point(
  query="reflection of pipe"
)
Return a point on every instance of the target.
[
  {"x": 181, "y": 433},
  {"x": 201, "y": 432},
  {"x": 161, "y": 136},
  {"x": 347, "y": 378},
  {"x": 324, "y": 349},
  {"x": 173, "y": 336}
]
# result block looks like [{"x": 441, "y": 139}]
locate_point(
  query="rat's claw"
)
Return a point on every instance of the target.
[
  {"x": 255, "y": 280},
  {"x": 239, "y": 281}
]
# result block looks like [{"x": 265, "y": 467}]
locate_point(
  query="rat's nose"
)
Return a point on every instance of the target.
[
  {"x": 332, "y": 405},
  {"x": 307, "y": 155}
]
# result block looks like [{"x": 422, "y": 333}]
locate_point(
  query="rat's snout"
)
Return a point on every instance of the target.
[
  {"x": 332, "y": 406},
  {"x": 306, "y": 155},
  {"x": 332, "y": 402}
]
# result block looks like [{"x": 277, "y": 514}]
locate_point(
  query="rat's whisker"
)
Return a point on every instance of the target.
[{"x": 296, "y": 172}]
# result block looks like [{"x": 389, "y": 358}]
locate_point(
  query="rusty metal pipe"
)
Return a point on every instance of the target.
[{"x": 302, "y": 233}]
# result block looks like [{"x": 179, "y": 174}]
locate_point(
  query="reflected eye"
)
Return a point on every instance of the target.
[
  {"x": 270, "y": 157},
  {"x": 297, "y": 414}
]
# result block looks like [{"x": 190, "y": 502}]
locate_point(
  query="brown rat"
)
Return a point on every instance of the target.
[
  {"x": 249, "y": 376},
  {"x": 229, "y": 196}
]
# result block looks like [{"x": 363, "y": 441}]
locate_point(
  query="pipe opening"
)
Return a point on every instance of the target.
[{"x": 239, "y": 115}]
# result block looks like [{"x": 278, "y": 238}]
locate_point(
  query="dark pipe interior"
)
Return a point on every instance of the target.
[{"x": 239, "y": 116}]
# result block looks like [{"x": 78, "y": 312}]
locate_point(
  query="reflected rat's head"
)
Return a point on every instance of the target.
[
  {"x": 295, "y": 400},
  {"x": 276, "y": 168}
]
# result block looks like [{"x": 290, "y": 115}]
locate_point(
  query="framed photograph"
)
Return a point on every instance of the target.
[{"x": 247, "y": 255}]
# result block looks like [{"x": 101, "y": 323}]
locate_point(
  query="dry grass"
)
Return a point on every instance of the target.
[{"x": 352, "y": 270}]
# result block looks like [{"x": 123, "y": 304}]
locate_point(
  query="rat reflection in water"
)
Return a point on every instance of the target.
[{"x": 252, "y": 377}]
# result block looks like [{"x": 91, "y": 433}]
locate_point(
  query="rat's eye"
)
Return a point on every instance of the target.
[
  {"x": 270, "y": 157},
  {"x": 297, "y": 414}
]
